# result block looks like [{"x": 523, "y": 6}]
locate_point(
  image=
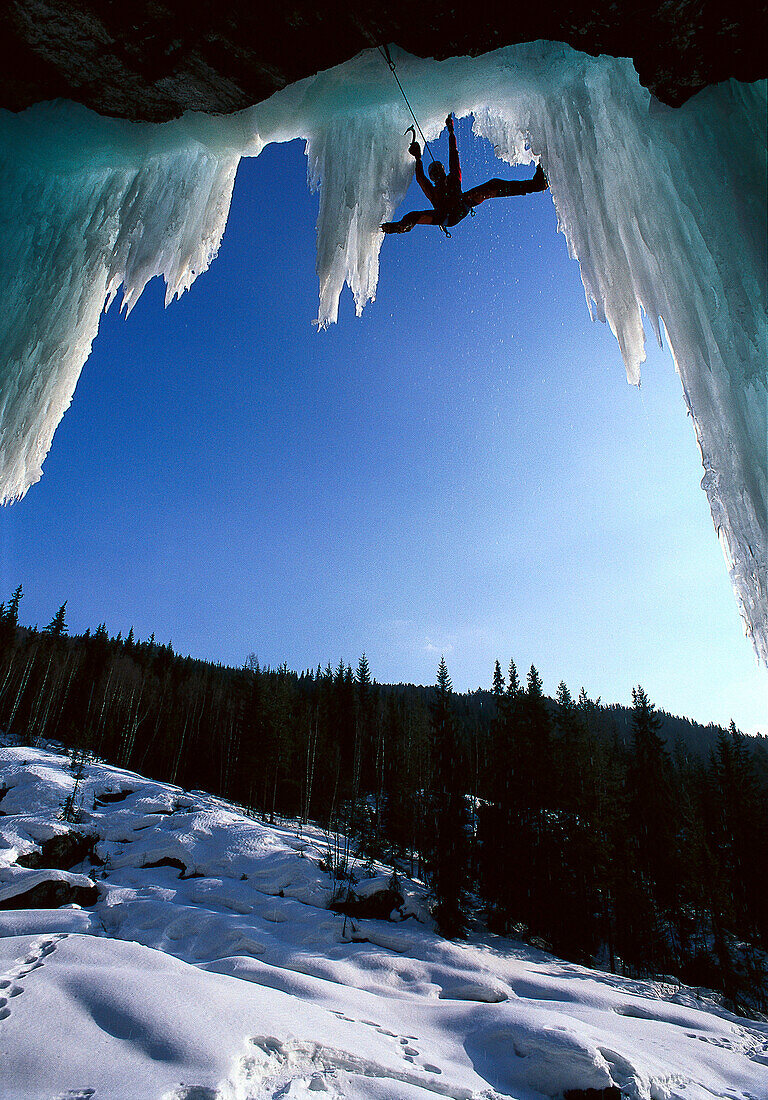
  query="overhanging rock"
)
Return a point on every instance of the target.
[{"x": 150, "y": 60}]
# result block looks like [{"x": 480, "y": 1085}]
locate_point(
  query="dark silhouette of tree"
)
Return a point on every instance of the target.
[
  {"x": 12, "y": 611},
  {"x": 449, "y": 865},
  {"x": 500, "y": 816},
  {"x": 9, "y": 621},
  {"x": 57, "y": 627},
  {"x": 646, "y": 882}
]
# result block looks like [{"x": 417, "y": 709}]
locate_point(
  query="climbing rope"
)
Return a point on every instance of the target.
[{"x": 384, "y": 51}]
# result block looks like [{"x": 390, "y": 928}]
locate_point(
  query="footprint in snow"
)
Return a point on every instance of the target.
[
  {"x": 714, "y": 1041},
  {"x": 40, "y": 952},
  {"x": 410, "y": 1054},
  {"x": 31, "y": 962}
]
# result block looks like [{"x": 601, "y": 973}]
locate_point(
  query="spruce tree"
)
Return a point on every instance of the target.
[
  {"x": 9, "y": 621},
  {"x": 740, "y": 835},
  {"x": 366, "y": 759},
  {"x": 498, "y": 682},
  {"x": 499, "y": 815},
  {"x": 57, "y": 627},
  {"x": 647, "y": 888},
  {"x": 12, "y": 611},
  {"x": 449, "y": 865}
]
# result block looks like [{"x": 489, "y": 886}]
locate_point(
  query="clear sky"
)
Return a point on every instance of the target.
[{"x": 464, "y": 470}]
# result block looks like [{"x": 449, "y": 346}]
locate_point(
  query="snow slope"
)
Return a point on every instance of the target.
[
  {"x": 664, "y": 209},
  {"x": 231, "y": 980}
]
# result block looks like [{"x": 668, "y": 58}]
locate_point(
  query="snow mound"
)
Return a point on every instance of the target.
[
  {"x": 486, "y": 992},
  {"x": 664, "y": 209},
  {"x": 231, "y": 980}
]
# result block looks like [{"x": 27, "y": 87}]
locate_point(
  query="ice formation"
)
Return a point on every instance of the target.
[{"x": 665, "y": 211}]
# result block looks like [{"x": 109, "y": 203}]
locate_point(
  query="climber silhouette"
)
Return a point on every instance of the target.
[{"x": 451, "y": 204}]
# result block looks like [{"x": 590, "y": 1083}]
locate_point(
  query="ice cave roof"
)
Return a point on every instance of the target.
[{"x": 153, "y": 59}]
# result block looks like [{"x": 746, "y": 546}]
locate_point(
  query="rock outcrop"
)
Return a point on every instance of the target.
[{"x": 153, "y": 59}]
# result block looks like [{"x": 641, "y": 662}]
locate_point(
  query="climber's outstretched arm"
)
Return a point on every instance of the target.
[
  {"x": 415, "y": 150},
  {"x": 425, "y": 184},
  {"x": 454, "y": 167}
]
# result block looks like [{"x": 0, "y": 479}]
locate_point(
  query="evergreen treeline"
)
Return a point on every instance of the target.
[{"x": 592, "y": 836}]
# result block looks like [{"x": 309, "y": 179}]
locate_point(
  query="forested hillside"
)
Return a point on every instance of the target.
[{"x": 612, "y": 835}]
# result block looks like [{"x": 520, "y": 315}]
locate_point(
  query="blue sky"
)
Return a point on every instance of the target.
[{"x": 464, "y": 470}]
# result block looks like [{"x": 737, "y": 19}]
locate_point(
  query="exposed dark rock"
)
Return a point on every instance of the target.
[
  {"x": 51, "y": 894},
  {"x": 196, "y": 1092},
  {"x": 61, "y": 852},
  {"x": 168, "y": 861},
  {"x": 106, "y": 797},
  {"x": 376, "y": 906},
  {"x": 153, "y": 59},
  {"x": 611, "y": 1093},
  {"x": 171, "y": 861}
]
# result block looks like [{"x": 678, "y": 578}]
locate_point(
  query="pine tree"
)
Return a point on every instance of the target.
[
  {"x": 650, "y": 775},
  {"x": 740, "y": 829},
  {"x": 498, "y": 815},
  {"x": 9, "y": 621},
  {"x": 535, "y": 761},
  {"x": 579, "y": 916},
  {"x": 648, "y": 879},
  {"x": 449, "y": 865},
  {"x": 564, "y": 699},
  {"x": 533, "y": 793},
  {"x": 57, "y": 627},
  {"x": 363, "y": 674},
  {"x": 12, "y": 611},
  {"x": 365, "y": 762},
  {"x": 571, "y": 763},
  {"x": 646, "y": 724}
]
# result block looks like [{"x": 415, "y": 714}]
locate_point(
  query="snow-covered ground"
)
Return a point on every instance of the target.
[{"x": 230, "y": 979}]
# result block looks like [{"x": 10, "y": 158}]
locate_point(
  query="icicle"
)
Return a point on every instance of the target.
[{"x": 665, "y": 211}]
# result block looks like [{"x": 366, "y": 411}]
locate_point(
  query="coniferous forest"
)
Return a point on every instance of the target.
[{"x": 620, "y": 837}]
